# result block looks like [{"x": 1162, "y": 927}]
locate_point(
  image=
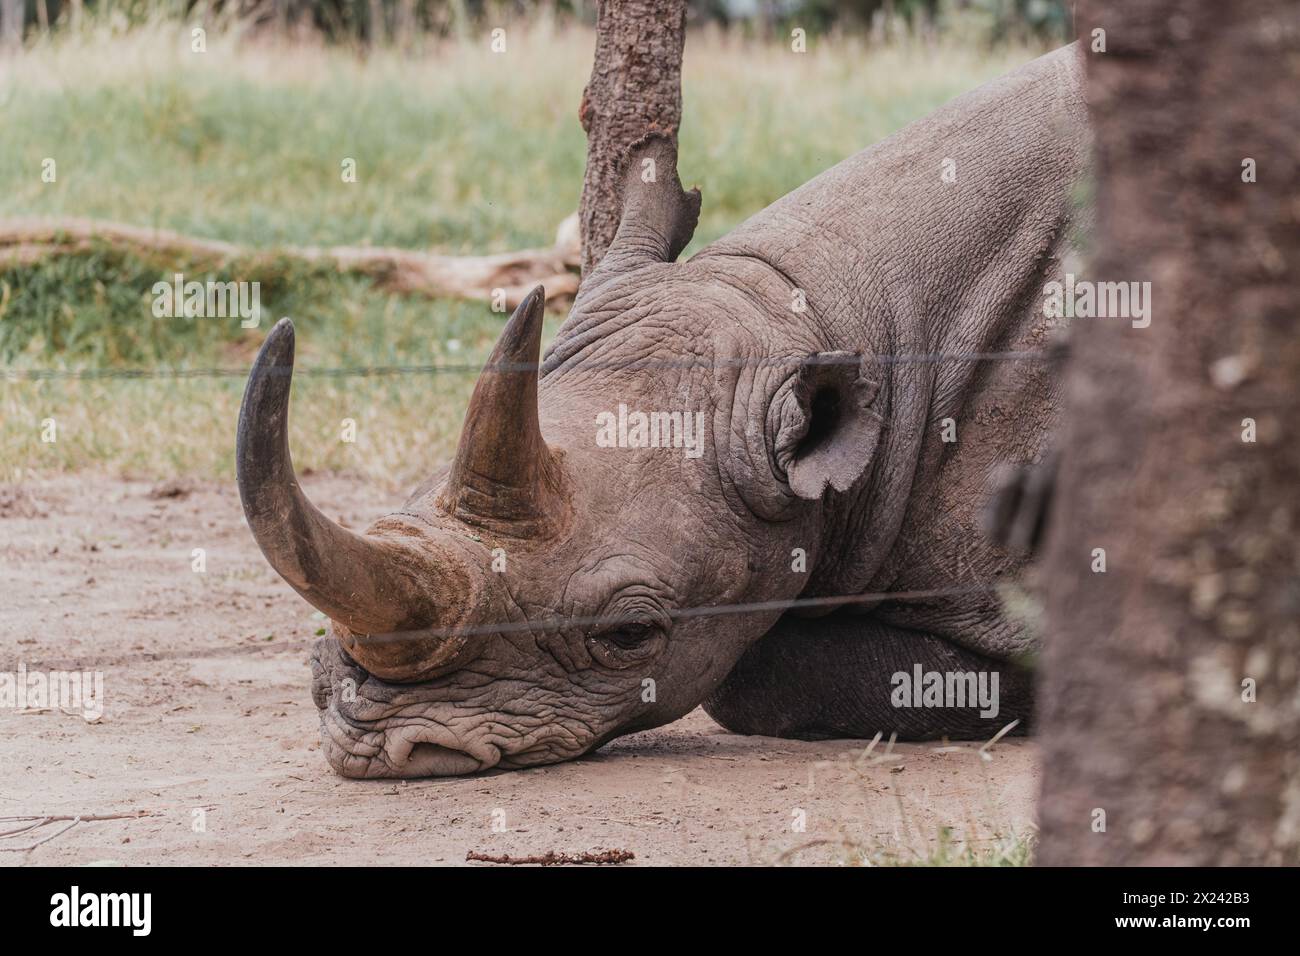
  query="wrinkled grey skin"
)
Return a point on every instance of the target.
[{"x": 891, "y": 261}]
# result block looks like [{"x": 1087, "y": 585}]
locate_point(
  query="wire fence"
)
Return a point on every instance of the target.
[
  {"x": 538, "y": 625},
  {"x": 463, "y": 368}
]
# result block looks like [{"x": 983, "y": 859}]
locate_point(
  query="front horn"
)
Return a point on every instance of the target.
[{"x": 374, "y": 586}]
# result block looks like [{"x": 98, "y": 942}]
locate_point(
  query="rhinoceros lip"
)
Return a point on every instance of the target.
[{"x": 426, "y": 759}]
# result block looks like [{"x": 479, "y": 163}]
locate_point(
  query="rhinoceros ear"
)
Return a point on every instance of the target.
[
  {"x": 658, "y": 217},
  {"x": 824, "y": 424}
]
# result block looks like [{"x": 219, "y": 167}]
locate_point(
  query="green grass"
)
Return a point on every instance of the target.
[
  {"x": 948, "y": 850},
  {"x": 1017, "y": 850},
  {"x": 460, "y": 150}
]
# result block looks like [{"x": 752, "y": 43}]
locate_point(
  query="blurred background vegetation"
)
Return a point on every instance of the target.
[
  {"x": 407, "y": 22},
  {"x": 458, "y": 149}
]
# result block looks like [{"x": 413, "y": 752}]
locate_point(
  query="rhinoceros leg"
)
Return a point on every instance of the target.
[{"x": 814, "y": 678}]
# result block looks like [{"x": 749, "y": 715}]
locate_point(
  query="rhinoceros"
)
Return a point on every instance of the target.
[{"x": 591, "y": 565}]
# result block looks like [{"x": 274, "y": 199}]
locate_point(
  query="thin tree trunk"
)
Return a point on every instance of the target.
[
  {"x": 460, "y": 23},
  {"x": 281, "y": 8},
  {"x": 11, "y": 23},
  {"x": 404, "y": 26},
  {"x": 635, "y": 87},
  {"x": 1170, "y": 704},
  {"x": 376, "y": 17}
]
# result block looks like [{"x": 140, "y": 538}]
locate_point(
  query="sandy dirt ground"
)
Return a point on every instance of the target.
[{"x": 209, "y": 732}]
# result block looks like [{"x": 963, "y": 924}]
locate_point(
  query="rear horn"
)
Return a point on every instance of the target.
[{"x": 504, "y": 474}]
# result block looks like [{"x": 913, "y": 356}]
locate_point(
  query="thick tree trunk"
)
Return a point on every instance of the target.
[
  {"x": 1171, "y": 689},
  {"x": 635, "y": 87}
]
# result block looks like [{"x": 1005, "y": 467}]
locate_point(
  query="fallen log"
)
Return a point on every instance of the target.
[{"x": 502, "y": 279}]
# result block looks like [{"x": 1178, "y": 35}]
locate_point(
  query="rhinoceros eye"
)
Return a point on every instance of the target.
[
  {"x": 629, "y": 636},
  {"x": 626, "y": 643}
]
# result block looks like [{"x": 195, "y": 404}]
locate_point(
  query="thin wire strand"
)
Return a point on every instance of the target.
[{"x": 556, "y": 623}]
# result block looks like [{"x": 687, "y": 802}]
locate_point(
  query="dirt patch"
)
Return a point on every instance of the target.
[
  {"x": 17, "y": 501},
  {"x": 208, "y": 727}
]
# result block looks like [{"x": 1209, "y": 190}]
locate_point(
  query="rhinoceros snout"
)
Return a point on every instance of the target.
[
  {"x": 373, "y": 729},
  {"x": 457, "y": 723}
]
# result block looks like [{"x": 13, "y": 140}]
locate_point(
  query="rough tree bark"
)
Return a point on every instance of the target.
[
  {"x": 1150, "y": 668},
  {"x": 635, "y": 87}
]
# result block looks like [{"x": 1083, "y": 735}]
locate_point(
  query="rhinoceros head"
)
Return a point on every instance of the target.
[{"x": 565, "y": 581}]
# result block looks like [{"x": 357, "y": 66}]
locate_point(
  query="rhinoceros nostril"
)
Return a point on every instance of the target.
[{"x": 432, "y": 760}]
